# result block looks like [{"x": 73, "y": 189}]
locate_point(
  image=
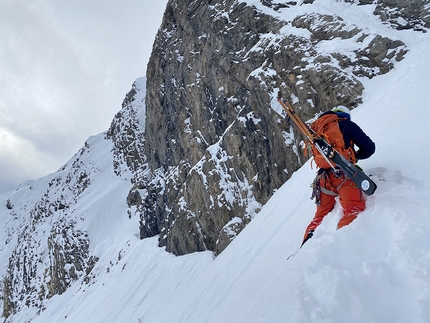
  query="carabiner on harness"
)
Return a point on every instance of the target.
[{"x": 316, "y": 186}]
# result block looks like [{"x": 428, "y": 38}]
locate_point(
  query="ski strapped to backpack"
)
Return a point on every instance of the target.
[{"x": 330, "y": 154}]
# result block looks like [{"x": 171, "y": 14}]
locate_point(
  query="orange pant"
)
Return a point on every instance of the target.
[{"x": 351, "y": 199}]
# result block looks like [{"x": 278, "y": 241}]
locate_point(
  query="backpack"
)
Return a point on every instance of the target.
[{"x": 327, "y": 126}]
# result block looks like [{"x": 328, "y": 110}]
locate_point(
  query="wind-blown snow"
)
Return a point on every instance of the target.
[{"x": 374, "y": 270}]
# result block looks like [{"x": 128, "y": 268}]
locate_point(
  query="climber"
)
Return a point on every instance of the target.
[{"x": 336, "y": 126}]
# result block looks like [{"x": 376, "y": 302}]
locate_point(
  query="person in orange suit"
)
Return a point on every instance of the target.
[{"x": 331, "y": 182}]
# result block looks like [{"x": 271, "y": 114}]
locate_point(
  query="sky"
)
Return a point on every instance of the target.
[{"x": 65, "y": 67}]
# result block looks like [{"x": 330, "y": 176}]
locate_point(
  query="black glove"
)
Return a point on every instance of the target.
[{"x": 310, "y": 234}]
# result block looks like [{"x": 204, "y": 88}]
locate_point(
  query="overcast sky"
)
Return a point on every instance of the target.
[{"x": 65, "y": 67}]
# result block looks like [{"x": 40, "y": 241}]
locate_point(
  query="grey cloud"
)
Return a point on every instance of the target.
[{"x": 65, "y": 67}]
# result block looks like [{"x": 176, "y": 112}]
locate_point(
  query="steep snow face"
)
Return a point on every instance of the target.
[{"x": 374, "y": 270}]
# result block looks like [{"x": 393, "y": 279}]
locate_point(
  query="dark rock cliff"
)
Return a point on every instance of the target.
[{"x": 215, "y": 149}]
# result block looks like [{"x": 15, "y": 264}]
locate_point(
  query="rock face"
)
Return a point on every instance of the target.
[
  {"x": 215, "y": 149},
  {"x": 50, "y": 253}
]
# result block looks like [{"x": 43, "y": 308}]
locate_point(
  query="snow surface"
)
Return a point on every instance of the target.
[{"x": 374, "y": 270}]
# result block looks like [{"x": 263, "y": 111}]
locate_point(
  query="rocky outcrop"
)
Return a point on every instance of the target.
[
  {"x": 404, "y": 14},
  {"x": 400, "y": 14},
  {"x": 127, "y": 132},
  {"x": 50, "y": 253},
  {"x": 215, "y": 149}
]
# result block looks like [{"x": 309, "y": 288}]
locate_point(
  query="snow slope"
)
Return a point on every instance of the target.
[{"x": 374, "y": 270}]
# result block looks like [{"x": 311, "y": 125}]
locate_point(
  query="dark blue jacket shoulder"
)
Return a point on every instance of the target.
[{"x": 352, "y": 132}]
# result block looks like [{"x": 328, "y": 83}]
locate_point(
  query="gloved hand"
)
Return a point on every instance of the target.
[{"x": 307, "y": 237}]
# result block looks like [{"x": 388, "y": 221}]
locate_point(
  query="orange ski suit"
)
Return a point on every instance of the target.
[
  {"x": 330, "y": 183},
  {"x": 351, "y": 199}
]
